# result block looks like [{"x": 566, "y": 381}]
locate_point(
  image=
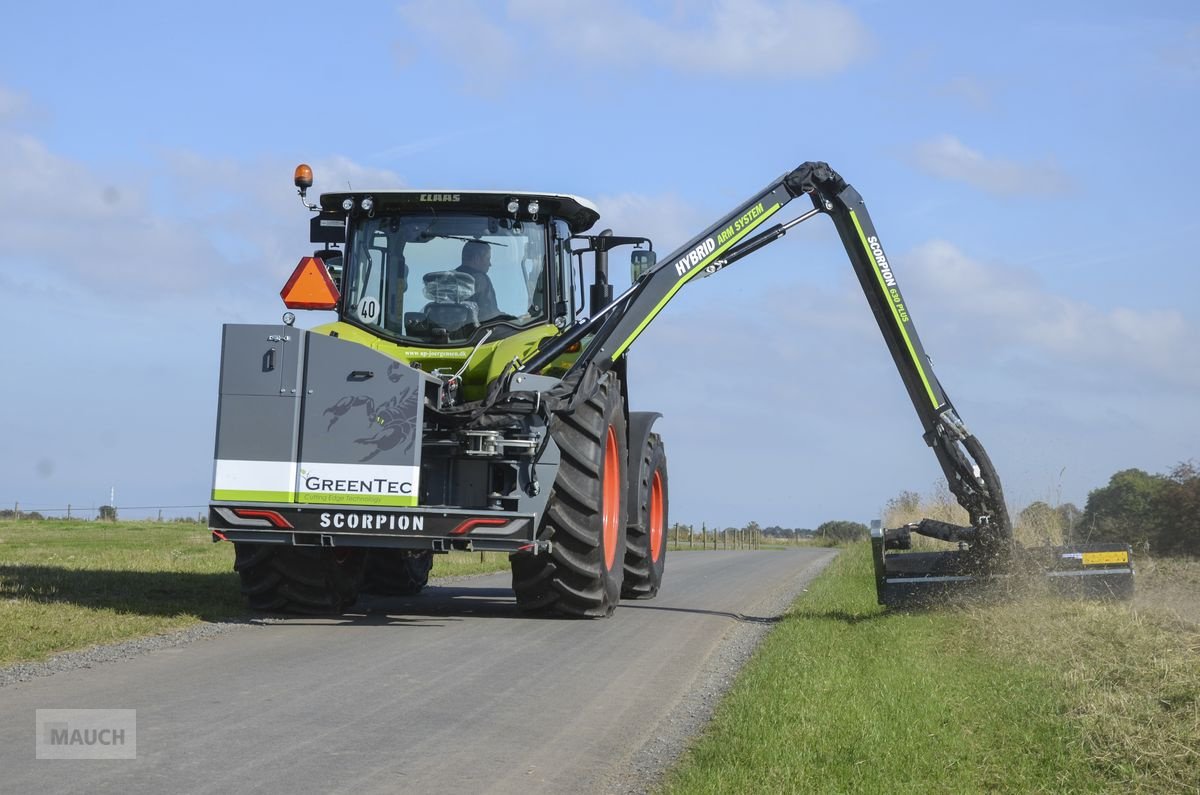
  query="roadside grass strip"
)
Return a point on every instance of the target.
[
  {"x": 461, "y": 564},
  {"x": 67, "y": 585},
  {"x": 1034, "y": 695}
]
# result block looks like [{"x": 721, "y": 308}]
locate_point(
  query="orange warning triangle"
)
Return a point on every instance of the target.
[{"x": 310, "y": 287}]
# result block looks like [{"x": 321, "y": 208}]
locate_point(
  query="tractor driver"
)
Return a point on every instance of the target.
[{"x": 476, "y": 260}]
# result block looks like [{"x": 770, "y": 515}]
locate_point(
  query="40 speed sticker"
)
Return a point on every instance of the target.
[{"x": 368, "y": 310}]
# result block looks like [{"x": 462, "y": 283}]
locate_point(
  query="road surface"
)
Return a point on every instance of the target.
[{"x": 450, "y": 691}]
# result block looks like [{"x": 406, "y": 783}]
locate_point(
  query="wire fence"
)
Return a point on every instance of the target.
[
  {"x": 682, "y": 536},
  {"x": 679, "y": 536},
  {"x": 90, "y": 511}
]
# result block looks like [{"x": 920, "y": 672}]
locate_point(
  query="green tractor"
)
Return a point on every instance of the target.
[{"x": 472, "y": 395}]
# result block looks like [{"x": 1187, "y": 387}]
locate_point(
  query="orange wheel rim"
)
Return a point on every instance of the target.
[
  {"x": 656, "y": 517},
  {"x": 611, "y": 515}
]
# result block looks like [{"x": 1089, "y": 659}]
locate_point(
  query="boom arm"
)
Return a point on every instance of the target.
[{"x": 968, "y": 470}]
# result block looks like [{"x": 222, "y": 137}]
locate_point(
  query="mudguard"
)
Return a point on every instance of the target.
[{"x": 640, "y": 425}]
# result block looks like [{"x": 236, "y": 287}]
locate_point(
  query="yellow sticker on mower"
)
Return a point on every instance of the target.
[{"x": 1096, "y": 558}]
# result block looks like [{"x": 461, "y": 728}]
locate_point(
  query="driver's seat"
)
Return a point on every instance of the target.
[{"x": 449, "y": 294}]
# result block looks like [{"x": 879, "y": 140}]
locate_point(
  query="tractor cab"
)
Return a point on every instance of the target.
[
  {"x": 457, "y": 283},
  {"x": 440, "y": 268}
]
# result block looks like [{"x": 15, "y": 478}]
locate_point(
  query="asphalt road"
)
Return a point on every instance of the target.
[{"x": 451, "y": 691}]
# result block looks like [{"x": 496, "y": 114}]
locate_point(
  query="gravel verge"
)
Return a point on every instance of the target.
[{"x": 115, "y": 652}]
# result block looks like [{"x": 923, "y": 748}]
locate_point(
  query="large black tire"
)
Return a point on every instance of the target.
[
  {"x": 585, "y": 515},
  {"x": 280, "y": 578},
  {"x": 397, "y": 572},
  {"x": 646, "y": 539}
]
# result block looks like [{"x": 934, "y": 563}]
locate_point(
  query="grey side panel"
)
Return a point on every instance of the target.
[
  {"x": 257, "y": 428},
  {"x": 360, "y": 433},
  {"x": 260, "y": 359},
  {"x": 258, "y": 414}
]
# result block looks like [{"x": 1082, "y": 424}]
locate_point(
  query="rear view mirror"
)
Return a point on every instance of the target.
[
  {"x": 641, "y": 262},
  {"x": 333, "y": 263}
]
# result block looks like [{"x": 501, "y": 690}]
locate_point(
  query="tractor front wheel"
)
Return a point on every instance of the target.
[{"x": 585, "y": 514}]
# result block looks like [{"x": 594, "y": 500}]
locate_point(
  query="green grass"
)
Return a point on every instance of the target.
[
  {"x": 1039, "y": 695},
  {"x": 71, "y": 584},
  {"x": 457, "y": 564},
  {"x": 67, "y": 585}
]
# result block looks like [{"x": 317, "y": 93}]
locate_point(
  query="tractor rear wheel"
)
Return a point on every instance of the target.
[
  {"x": 281, "y": 578},
  {"x": 397, "y": 572},
  {"x": 585, "y": 514},
  {"x": 646, "y": 539}
]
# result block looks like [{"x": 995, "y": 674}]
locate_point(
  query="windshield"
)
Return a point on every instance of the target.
[{"x": 437, "y": 279}]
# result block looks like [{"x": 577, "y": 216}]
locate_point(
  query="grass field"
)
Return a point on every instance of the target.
[
  {"x": 68, "y": 585},
  {"x": 1037, "y": 695}
]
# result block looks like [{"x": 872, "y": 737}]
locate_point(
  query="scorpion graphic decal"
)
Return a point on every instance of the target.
[{"x": 394, "y": 421}]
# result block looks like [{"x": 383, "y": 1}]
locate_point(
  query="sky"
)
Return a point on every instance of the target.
[{"x": 1030, "y": 169}]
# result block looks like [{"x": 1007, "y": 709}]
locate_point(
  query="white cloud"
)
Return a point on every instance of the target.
[
  {"x": 1007, "y": 308},
  {"x": 12, "y": 104},
  {"x": 464, "y": 34},
  {"x": 805, "y": 38},
  {"x": 255, "y": 201},
  {"x": 57, "y": 213},
  {"x": 948, "y": 158},
  {"x": 666, "y": 219},
  {"x": 796, "y": 37},
  {"x": 222, "y": 222}
]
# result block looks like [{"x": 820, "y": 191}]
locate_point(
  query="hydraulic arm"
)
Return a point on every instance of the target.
[{"x": 968, "y": 470}]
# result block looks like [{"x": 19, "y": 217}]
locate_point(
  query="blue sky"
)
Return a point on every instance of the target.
[{"x": 1029, "y": 167}]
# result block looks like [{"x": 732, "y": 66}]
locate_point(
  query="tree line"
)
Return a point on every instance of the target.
[{"x": 1159, "y": 513}]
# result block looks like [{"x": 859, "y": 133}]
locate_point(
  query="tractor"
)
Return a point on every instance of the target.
[{"x": 472, "y": 394}]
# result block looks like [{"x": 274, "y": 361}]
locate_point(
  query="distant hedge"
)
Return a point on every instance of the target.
[{"x": 1158, "y": 513}]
